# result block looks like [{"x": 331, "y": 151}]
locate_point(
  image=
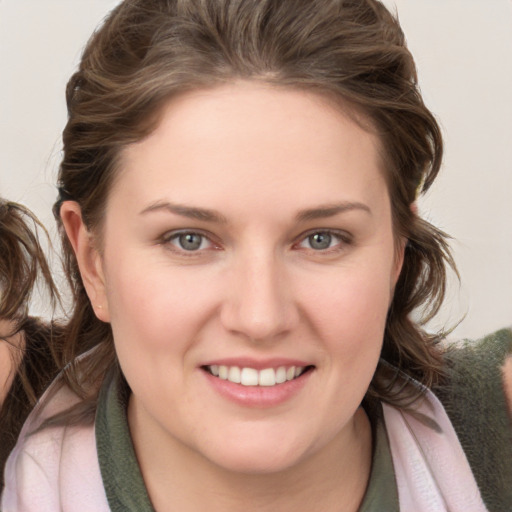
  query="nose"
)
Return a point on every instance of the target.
[{"x": 260, "y": 305}]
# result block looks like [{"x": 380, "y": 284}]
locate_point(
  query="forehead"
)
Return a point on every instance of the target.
[{"x": 253, "y": 135}]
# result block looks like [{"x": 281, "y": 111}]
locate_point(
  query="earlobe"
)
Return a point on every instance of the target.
[{"x": 87, "y": 256}]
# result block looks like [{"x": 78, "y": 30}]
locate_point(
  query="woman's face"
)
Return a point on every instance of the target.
[{"x": 248, "y": 238}]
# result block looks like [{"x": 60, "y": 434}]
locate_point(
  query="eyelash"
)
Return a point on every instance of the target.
[{"x": 344, "y": 239}]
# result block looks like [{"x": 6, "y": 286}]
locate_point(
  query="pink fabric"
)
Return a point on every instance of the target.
[
  {"x": 432, "y": 472},
  {"x": 56, "y": 469}
]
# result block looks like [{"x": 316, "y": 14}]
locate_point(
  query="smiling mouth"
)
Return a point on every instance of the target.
[{"x": 266, "y": 377}]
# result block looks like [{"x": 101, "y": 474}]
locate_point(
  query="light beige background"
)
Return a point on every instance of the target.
[{"x": 463, "y": 50}]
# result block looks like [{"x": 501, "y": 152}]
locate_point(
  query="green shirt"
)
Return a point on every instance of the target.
[
  {"x": 123, "y": 482},
  {"x": 472, "y": 396}
]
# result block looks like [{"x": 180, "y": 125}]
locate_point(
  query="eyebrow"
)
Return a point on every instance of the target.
[
  {"x": 190, "y": 212},
  {"x": 204, "y": 214},
  {"x": 330, "y": 210}
]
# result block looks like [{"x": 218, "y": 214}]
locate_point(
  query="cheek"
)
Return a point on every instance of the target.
[
  {"x": 142, "y": 310},
  {"x": 153, "y": 328},
  {"x": 156, "y": 309},
  {"x": 349, "y": 318},
  {"x": 350, "y": 307}
]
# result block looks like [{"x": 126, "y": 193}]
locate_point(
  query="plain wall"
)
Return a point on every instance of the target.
[{"x": 463, "y": 50}]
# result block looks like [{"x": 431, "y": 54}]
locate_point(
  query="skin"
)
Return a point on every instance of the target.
[
  {"x": 256, "y": 288},
  {"x": 507, "y": 383},
  {"x": 7, "y": 359}
]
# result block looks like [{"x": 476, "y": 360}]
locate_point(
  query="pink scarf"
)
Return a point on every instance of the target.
[
  {"x": 57, "y": 469},
  {"x": 432, "y": 472}
]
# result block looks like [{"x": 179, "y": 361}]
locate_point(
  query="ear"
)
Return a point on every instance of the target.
[
  {"x": 88, "y": 257},
  {"x": 398, "y": 263},
  {"x": 400, "y": 247},
  {"x": 399, "y": 258}
]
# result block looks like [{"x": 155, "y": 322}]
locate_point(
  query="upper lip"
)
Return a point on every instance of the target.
[{"x": 257, "y": 364}]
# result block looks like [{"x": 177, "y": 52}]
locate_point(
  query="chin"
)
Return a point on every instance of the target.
[
  {"x": 250, "y": 457},
  {"x": 255, "y": 463}
]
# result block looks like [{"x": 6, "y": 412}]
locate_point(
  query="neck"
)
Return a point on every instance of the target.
[{"x": 334, "y": 478}]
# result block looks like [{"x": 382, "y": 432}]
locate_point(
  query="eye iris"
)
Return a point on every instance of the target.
[
  {"x": 190, "y": 241},
  {"x": 320, "y": 241}
]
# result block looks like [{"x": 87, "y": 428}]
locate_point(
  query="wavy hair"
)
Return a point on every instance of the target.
[
  {"x": 35, "y": 359},
  {"x": 353, "y": 50}
]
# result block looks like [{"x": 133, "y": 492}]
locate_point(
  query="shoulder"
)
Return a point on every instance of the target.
[
  {"x": 478, "y": 369},
  {"x": 53, "y": 468},
  {"x": 475, "y": 399}
]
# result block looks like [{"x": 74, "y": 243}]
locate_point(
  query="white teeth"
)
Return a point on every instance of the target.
[
  {"x": 234, "y": 374},
  {"x": 281, "y": 375},
  {"x": 223, "y": 372},
  {"x": 267, "y": 377},
  {"x": 251, "y": 377}
]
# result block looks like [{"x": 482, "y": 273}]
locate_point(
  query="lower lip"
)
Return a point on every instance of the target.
[{"x": 258, "y": 396}]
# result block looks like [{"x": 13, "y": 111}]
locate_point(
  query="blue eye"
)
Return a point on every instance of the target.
[
  {"x": 320, "y": 241},
  {"x": 324, "y": 240},
  {"x": 189, "y": 241}
]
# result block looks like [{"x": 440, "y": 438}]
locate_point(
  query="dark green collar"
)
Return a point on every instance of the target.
[
  {"x": 122, "y": 479},
  {"x": 123, "y": 482},
  {"x": 381, "y": 493}
]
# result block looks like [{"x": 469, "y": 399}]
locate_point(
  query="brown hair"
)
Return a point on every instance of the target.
[
  {"x": 22, "y": 266},
  {"x": 354, "y": 50}
]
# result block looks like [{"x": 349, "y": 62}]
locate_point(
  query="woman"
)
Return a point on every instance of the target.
[
  {"x": 28, "y": 359},
  {"x": 237, "y": 202}
]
